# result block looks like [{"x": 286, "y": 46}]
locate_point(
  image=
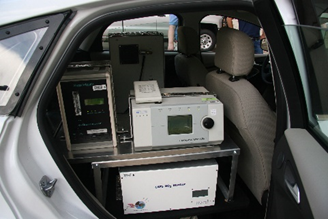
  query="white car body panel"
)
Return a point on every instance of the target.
[
  {"x": 2, "y": 122},
  {"x": 24, "y": 159},
  {"x": 5, "y": 209},
  {"x": 213, "y": 19}
]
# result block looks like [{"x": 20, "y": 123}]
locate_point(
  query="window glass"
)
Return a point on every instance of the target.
[
  {"x": 165, "y": 24},
  {"x": 15, "y": 54},
  {"x": 310, "y": 44},
  {"x": 209, "y": 27},
  {"x": 314, "y": 74},
  {"x": 159, "y": 23}
]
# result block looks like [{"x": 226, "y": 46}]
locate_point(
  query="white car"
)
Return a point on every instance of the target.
[{"x": 55, "y": 164}]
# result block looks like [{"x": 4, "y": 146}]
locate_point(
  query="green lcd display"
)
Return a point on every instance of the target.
[
  {"x": 199, "y": 193},
  {"x": 181, "y": 124},
  {"x": 94, "y": 101}
]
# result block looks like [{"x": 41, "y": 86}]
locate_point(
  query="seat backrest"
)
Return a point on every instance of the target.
[
  {"x": 188, "y": 66},
  {"x": 250, "y": 121}
]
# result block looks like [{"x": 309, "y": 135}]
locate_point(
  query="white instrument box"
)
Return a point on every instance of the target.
[
  {"x": 184, "y": 118},
  {"x": 171, "y": 186}
]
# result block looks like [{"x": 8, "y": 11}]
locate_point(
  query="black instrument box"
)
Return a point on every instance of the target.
[{"x": 87, "y": 107}]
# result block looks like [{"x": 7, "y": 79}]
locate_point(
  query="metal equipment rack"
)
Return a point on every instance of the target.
[{"x": 124, "y": 155}]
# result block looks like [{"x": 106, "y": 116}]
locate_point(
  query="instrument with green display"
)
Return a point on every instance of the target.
[{"x": 86, "y": 104}]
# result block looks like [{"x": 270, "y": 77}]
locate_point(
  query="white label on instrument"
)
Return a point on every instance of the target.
[
  {"x": 99, "y": 87},
  {"x": 77, "y": 103},
  {"x": 213, "y": 112},
  {"x": 96, "y": 131}
]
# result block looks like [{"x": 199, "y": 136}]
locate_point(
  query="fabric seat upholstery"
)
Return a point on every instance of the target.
[
  {"x": 188, "y": 66},
  {"x": 250, "y": 121}
]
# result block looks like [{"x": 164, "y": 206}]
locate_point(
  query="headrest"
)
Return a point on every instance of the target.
[
  {"x": 234, "y": 52},
  {"x": 188, "y": 41}
]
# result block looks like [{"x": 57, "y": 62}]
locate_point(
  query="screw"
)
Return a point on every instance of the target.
[
  {"x": 17, "y": 94},
  {"x": 7, "y": 32},
  {"x": 47, "y": 22}
]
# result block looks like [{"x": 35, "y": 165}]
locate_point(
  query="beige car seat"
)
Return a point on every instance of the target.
[
  {"x": 249, "y": 120},
  {"x": 188, "y": 66}
]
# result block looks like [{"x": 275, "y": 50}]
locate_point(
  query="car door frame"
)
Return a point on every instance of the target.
[{"x": 299, "y": 159}]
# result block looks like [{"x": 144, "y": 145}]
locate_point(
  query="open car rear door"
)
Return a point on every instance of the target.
[
  {"x": 299, "y": 177},
  {"x": 300, "y": 53}
]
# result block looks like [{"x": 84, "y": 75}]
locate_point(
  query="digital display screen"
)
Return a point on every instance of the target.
[
  {"x": 94, "y": 101},
  {"x": 199, "y": 193},
  {"x": 181, "y": 124}
]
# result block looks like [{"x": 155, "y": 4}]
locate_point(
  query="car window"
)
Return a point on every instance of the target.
[
  {"x": 311, "y": 53},
  {"x": 159, "y": 23},
  {"x": 15, "y": 53},
  {"x": 209, "y": 27},
  {"x": 314, "y": 74},
  {"x": 22, "y": 47}
]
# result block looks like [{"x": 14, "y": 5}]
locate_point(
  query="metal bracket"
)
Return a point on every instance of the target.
[{"x": 47, "y": 186}]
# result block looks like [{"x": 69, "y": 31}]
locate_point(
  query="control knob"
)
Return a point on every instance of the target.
[{"x": 208, "y": 123}]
